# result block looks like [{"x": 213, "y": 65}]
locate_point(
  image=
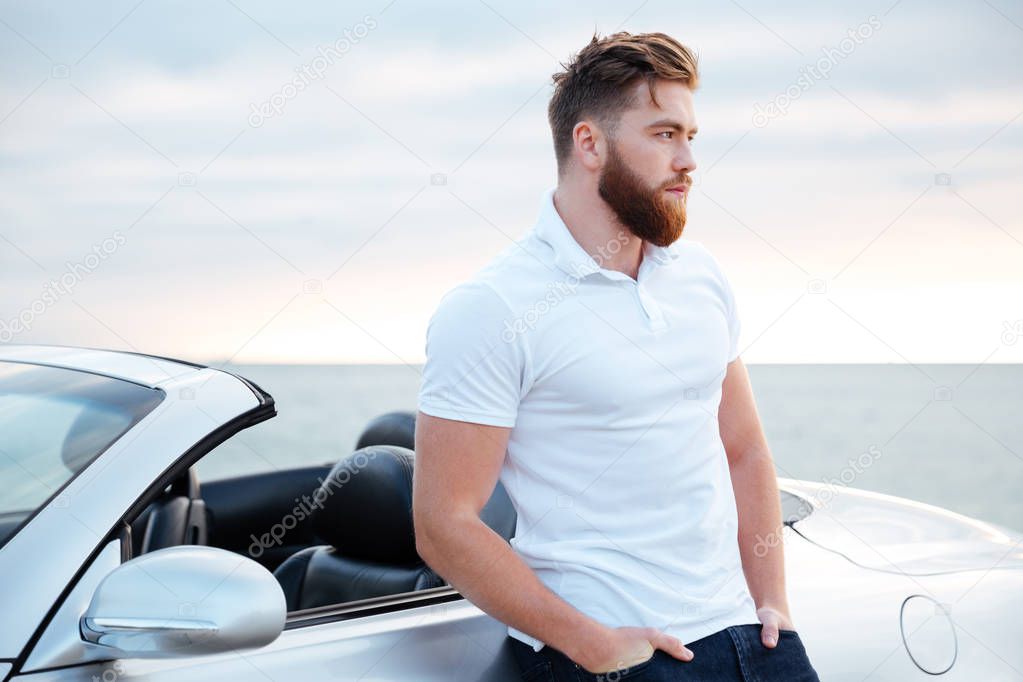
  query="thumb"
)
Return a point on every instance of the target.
[
  {"x": 769, "y": 634},
  {"x": 673, "y": 646}
]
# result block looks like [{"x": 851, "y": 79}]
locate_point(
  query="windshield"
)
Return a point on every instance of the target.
[{"x": 53, "y": 423}]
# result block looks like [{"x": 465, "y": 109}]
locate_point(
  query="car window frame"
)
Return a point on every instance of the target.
[
  {"x": 70, "y": 479},
  {"x": 121, "y": 529}
]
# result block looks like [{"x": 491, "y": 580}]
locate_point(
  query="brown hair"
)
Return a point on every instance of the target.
[{"x": 598, "y": 81}]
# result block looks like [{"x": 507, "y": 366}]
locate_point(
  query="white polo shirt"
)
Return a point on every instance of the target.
[{"x": 611, "y": 385}]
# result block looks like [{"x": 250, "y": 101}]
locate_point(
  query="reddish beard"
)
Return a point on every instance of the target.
[{"x": 648, "y": 213}]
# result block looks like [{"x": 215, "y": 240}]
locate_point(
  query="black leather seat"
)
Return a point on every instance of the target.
[
  {"x": 177, "y": 517},
  {"x": 92, "y": 431},
  {"x": 399, "y": 428},
  {"x": 365, "y": 513},
  {"x": 393, "y": 428}
]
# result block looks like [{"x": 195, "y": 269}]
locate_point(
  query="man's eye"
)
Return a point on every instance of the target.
[
  {"x": 691, "y": 139},
  {"x": 666, "y": 132}
]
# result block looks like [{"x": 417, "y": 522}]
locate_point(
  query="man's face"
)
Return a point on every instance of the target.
[{"x": 645, "y": 178}]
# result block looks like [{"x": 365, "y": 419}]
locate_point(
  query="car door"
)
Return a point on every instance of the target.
[{"x": 427, "y": 635}]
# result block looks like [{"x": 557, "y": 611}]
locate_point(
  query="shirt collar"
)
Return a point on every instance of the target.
[{"x": 569, "y": 255}]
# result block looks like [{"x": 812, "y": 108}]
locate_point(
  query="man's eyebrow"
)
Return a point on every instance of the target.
[{"x": 673, "y": 124}]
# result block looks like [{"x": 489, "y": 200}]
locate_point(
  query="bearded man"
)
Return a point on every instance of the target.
[{"x": 593, "y": 368}]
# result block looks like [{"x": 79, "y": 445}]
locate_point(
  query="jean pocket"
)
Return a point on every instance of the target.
[
  {"x": 787, "y": 660},
  {"x": 626, "y": 673}
]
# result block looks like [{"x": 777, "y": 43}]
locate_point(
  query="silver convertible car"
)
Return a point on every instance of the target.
[{"x": 116, "y": 563}]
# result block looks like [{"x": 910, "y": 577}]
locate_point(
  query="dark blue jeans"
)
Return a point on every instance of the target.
[{"x": 735, "y": 653}]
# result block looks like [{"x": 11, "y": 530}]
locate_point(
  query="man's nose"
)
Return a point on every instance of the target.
[{"x": 684, "y": 161}]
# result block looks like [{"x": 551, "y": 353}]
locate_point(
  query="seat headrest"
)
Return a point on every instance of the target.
[
  {"x": 393, "y": 428},
  {"x": 92, "y": 431},
  {"x": 364, "y": 506}
]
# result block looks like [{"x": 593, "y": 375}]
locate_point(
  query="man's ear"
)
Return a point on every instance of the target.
[{"x": 588, "y": 141}]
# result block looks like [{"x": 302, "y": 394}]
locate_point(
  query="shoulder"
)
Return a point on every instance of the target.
[
  {"x": 700, "y": 264},
  {"x": 695, "y": 253},
  {"x": 694, "y": 249},
  {"x": 514, "y": 277}
]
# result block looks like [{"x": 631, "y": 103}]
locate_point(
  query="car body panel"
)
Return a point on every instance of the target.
[
  {"x": 61, "y": 643},
  {"x": 147, "y": 370},
  {"x": 889, "y": 533},
  {"x": 847, "y": 617}
]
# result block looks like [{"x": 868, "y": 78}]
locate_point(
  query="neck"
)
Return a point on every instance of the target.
[{"x": 596, "y": 228}]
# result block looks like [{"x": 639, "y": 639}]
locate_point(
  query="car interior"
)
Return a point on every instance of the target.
[
  {"x": 330, "y": 534},
  {"x": 351, "y": 534}
]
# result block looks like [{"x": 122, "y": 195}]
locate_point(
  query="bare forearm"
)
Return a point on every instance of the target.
[
  {"x": 486, "y": 570},
  {"x": 760, "y": 529}
]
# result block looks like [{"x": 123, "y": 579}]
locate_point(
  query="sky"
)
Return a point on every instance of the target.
[{"x": 250, "y": 182}]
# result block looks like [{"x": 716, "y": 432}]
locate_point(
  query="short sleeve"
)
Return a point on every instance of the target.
[
  {"x": 475, "y": 363},
  {"x": 734, "y": 323}
]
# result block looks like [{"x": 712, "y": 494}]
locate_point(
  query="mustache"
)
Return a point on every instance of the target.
[{"x": 681, "y": 180}]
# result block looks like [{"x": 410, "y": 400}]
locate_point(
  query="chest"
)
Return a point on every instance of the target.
[{"x": 618, "y": 351}]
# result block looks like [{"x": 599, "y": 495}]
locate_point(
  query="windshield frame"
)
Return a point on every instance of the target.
[{"x": 158, "y": 397}]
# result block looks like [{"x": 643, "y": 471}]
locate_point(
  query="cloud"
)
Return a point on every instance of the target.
[{"x": 153, "y": 129}]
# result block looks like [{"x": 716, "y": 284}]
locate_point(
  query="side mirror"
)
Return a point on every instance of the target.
[{"x": 185, "y": 601}]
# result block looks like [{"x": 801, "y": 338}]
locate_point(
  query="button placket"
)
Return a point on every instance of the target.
[{"x": 650, "y": 307}]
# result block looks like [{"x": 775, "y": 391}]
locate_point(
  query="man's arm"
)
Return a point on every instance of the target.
[
  {"x": 457, "y": 468},
  {"x": 757, "y": 501}
]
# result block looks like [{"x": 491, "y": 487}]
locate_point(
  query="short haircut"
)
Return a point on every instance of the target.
[{"x": 598, "y": 82}]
